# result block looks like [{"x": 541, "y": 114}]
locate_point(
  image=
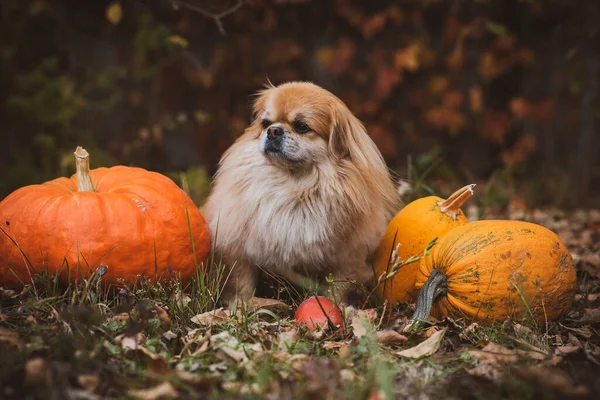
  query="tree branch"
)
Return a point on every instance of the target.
[{"x": 217, "y": 17}]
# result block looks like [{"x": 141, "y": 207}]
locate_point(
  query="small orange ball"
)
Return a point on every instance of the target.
[{"x": 309, "y": 313}]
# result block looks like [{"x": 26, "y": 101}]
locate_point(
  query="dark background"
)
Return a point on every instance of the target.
[{"x": 503, "y": 92}]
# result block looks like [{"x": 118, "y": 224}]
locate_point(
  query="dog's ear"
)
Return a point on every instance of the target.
[
  {"x": 349, "y": 139},
  {"x": 338, "y": 145},
  {"x": 348, "y": 134}
]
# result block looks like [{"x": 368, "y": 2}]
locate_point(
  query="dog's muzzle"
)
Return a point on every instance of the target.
[{"x": 274, "y": 142}]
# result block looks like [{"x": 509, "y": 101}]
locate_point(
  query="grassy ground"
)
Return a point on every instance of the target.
[{"x": 151, "y": 342}]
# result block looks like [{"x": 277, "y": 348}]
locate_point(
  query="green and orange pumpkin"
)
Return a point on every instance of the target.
[{"x": 494, "y": 270}]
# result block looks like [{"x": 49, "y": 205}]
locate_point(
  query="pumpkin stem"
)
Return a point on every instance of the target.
[
  {"x": 82, "y": 163},
  {"x": 436, "y": 285},
  {"x": 451, "y": 206}
]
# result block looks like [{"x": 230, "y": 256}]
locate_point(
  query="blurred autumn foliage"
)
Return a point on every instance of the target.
[{"x": 474, "y": 89}]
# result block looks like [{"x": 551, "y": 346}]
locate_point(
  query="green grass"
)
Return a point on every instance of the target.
[
  {"x": 80, "y": 331},
  {"x": 81, "y": 328},
  {"x": 64, "y": 340}
]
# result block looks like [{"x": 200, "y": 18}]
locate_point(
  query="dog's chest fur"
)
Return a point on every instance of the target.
[
  {"x": 284, "y": 223},
  {"x": 288, "y": 229}
]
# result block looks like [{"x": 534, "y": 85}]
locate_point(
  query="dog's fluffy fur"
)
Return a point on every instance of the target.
[{"x": 293, "y": 201}]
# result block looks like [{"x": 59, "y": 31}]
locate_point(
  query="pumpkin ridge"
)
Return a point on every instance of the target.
[
  {"x": 135, "y": 181},
  {"x": 32, "y": 204},
  {"x": 118, "y": 173},
  {"x": 97, "y": 182},
  {"x": 452, "y": 255},
  {"x": 60, "y": 184}
]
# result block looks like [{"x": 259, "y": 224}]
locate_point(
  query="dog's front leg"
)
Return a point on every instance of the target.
[
  {"x": 352, "y": 275},
  {"x": 240, "y": 284}
]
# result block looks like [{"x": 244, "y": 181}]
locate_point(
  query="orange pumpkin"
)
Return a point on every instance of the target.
[
  {"x": 407, "y": 235},
  {"x": 134, "y": 221},
  {"x": 492, "y": 270}
]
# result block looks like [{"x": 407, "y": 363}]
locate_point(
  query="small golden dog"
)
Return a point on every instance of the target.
[{"x": 304, "y": 191}]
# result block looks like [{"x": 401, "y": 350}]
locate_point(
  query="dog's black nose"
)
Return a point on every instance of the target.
[{"x": 274, "y": 132}]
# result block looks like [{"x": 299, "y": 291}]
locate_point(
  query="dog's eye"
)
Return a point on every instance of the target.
[
  {"x": 266, "y": 123},
  {"x": 301, "y": 127}
]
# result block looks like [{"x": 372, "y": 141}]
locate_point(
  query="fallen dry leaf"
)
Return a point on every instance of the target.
[
  {"x": 568, "y": 349},
  {"x": 169, "y": 335},
  {"x": 294, "y": 362},
  {"x": 473, "y": 333},
  {"x": 592, "y": 259},
  {"x": 128, "y": 342},
  {"x": 344, "y": 353},
  {"x": 558, "y": 381},
  {"x": 163, "y": 316},
  {"x": 162, "y": 391},
  {"x": 430, "y": 331},
  {"x": 376, "y": 394},
  {"x": 123, "y": 317},
  {"x": 3, "y": 318},
  {"x": 593, "y": 297},
  {"x": 350, "y": 311},
  {"x": 25, "y": 292},
  {"x": 236, "y": 355},
  {"x": 574, "y": 341},
  {"x": 331, "y": 345},
  {"x": 287, "y": 338},
  {"x": 217, "y": 367},
  {"x": 583, "y": 331},
  {"x": 150, "y": 354},
  {"x": 181, "y": 300},
  {"x": 526, "y": 345},
  {"x": 7, "y": 293},
  {"x": 322, "y": 376},
  {"x": 158, "y": 366},
  {"x": 592, "y": 352},
  {"x": 214, "y": 317},
  {"x": 590, "y": 316},
  {"x": 241, "y": 388},
  {"x": 493, "y": 357},
  {"x": 88, "y": 381},
  {"x": 347, "y": 375},
  {"x": 36, "y": 371},
  {"x": 203, "y": 346},
  {"x": 276, "y": 306},
  {"x": 231, "y": 347},
  {"x": 522, "y": 331},
  {"x": 389, "y": 336},
  {"x": 10, "y": 338},
  {"x": 297, "y": 362},
  {"x": 196, "y": 380},
  {"x": 361, "y": 324},
  {"x": 425, "y": 348},
  {"x": 496, "y": 353},
  {"x": 196, "y": 337}
]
